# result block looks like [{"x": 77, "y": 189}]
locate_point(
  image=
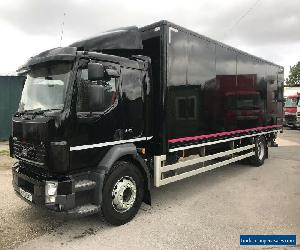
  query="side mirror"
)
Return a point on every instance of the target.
[
  {"x": 95, "y": 97},
  {"x": 96, "y": 71}
]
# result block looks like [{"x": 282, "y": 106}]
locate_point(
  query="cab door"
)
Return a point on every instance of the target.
[
  {"x": 98, "y": 125},
  {"x": 133, "y": 102}
]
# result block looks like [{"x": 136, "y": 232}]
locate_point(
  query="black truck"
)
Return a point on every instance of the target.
[{"x": 106, "y": 118}]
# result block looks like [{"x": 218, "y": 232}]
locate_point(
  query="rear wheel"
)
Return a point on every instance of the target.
[
  {"x": 260, "y": 152},
  {"x": 122, "y": 193}
]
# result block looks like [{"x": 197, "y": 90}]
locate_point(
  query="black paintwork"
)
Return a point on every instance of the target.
[
  {"x": 181, "y": 84},
  {"x": 56, "y": 54},
  {"x": 214, "y": 88},
  {"x": 128, "y": 38},
  {"x": 196, "y": 77},
  {"x": 125, "y": 119}
]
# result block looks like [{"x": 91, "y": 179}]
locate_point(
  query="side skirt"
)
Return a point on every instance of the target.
[{"x": 164, "y": 174}]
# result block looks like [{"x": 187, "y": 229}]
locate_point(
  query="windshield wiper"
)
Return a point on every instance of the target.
[
  {"x": 30, "y": 111},
  {"x": 40, "y": 112},
  {"x": 37, "y": 111}
]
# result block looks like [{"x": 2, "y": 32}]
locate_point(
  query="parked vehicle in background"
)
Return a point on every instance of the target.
[
  {"x": 237, "y": 102},
  {"x": 298, "y": 114},
  {"x": 291, "y": 115},
  {"x": 288, "y": 91},
  {"x": 102, "y": 119}
]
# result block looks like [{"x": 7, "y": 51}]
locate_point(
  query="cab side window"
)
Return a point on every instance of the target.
[{"x": 109, "y": 96}]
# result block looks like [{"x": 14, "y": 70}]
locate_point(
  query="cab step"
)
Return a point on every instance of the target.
[
  {"x": 83, "y": 185},
  {"x": 84, "y": 210}
]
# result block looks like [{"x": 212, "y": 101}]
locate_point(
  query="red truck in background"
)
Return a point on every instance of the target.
[
  {"x": 291, "y": 104},
  {"x": 238, "y": 99}
]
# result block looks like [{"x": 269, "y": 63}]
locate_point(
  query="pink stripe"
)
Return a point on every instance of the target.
[{"x": 198, "y": 137}]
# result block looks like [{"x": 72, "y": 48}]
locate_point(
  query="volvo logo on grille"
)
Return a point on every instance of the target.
[{"x": 24, "y": 152}]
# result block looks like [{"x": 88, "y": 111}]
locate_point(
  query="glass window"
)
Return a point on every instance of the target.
[
  {"x": 248, "y": 102},
  {"x": 190, "y": 107},
  {"x": 291, "y": 102},
  {"x": 243, "y": 101},
  {"x": 45, "y": 87},
  {"x": 109, "y": 95},
  {"x": 180, "y": 108},
  {"x": 186, "y": 108}
]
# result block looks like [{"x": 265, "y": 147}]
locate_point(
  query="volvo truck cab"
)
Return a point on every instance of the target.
[{"x": 72, "y": 99}]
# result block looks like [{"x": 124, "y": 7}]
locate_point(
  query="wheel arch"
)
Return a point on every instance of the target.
[
  {"x": 126, "y": 152},
  {"x": 139, "y": 162}
]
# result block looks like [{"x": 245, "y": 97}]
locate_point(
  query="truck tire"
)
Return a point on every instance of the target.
[
  {"x": 123, "y": 193},
  {"x": 260, "y": 152}
]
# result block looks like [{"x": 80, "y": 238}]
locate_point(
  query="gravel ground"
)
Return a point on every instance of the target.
[
  {"x": 5, "y": 160},
  {"x": 208, "y": 211},
  {"x": 19, "y": 222}
]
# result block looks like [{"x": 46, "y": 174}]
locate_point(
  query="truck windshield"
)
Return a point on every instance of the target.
[
  {"x": 45, "y": 87},
  {"x": 291, "y": 102},
  {"x": 248, "y": 102},
  {"x": 244, "y": 101}
]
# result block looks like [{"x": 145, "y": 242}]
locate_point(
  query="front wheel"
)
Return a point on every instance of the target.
[
  {"x": 122, "y": 193},
  {"x": 260, "y": 152}
]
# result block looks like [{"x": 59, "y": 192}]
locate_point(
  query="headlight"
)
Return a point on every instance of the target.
[
  {"x": 50, "y": 191},
  {"x": 50, "y": 199}
]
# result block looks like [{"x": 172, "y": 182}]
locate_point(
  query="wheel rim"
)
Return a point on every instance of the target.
[
  {"x": 260, "y": 150},
  {"x": 124, "y": 194}
]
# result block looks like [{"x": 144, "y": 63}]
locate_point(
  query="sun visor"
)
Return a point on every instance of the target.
[
  {"x": 59, "y": 54},
  {"x": 128, "y": 38}
]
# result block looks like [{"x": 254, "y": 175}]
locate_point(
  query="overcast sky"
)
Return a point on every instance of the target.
[{"x": 266, "y": 28}]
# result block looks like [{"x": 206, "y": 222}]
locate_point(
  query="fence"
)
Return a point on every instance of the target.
[{"x": 10, "y": 94}]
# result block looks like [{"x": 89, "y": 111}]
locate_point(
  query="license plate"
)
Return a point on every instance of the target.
[{"x": 26, "y": 195}]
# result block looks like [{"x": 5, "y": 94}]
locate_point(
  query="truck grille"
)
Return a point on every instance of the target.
[
  {"x": 35, "y": 154},
  {"x": 290, "y": 118}
]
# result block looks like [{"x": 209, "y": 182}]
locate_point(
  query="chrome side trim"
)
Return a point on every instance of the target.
[{"x": 111, "y": 143}]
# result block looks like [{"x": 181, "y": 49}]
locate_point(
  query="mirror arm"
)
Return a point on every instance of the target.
[{"x": 112, "y": 73}]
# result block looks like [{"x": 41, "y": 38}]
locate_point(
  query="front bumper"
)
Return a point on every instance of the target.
[
  {"x": 291, "y": 121},
  {"x": 30, "y": 186}
]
